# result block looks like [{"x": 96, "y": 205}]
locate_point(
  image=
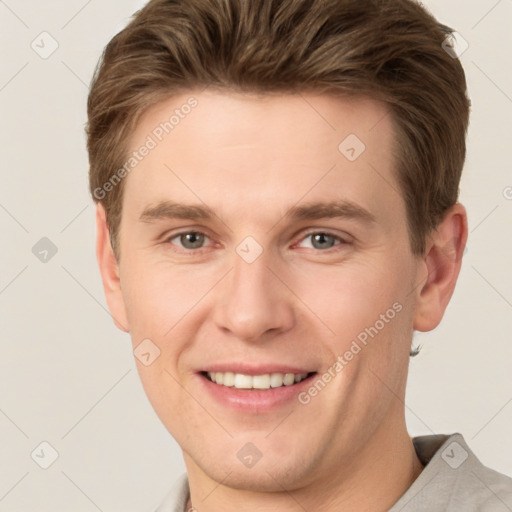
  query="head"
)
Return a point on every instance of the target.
[{"x": 296, "y": 202}]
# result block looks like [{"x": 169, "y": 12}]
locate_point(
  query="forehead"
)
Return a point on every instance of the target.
[{"x": 273, "y": 150}]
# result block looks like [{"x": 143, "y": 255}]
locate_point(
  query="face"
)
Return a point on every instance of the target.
[{"x": 263, "y": 247}]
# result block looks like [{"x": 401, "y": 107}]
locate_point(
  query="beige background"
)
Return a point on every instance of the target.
[{"x": 67, "y": 376}]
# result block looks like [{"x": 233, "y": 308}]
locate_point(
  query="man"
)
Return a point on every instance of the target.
[{"x": 277, "y": 188}]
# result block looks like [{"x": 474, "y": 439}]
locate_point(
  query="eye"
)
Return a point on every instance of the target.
[
  {"x": 189, "y": 239},
  {"x": 193, "y": 240},
  {"x": 321, "y": 240}
]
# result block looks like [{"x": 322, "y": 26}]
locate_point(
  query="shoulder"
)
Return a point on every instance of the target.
[
  {"x": 489, "y": 490},
  {"x": 176, "y": 499},
  {"x": 454, "y": 480}
]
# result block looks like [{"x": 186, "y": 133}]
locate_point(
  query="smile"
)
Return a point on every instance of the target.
[{"x": 264, "y": 381}]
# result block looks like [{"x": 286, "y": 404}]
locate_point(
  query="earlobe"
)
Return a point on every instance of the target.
[
  {"x": 109, "y": 270},
  {"x": 442, "y": 261}
]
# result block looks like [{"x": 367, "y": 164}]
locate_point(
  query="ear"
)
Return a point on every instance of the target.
[
  {"x": 442, "y": 262},
  {"x": 109, "y": 270}
]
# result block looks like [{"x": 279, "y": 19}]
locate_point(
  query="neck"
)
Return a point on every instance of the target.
[{"x": 374, "y": 480}]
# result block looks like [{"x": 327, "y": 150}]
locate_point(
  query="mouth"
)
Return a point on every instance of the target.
[
  {"x": 264, "y": 381},
  {"x": 254, "y": 392}
]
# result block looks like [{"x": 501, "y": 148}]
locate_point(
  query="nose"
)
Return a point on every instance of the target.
[{"x": 253, "y": 304}]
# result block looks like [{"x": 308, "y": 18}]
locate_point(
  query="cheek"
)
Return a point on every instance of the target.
[
  {"x": 367, "y": 307},
  {"x": 158, "y": 297},
  {"x": 350, "y": 298}
]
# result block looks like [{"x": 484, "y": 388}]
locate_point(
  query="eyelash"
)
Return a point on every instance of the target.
[{"x": 340, "y": 241}]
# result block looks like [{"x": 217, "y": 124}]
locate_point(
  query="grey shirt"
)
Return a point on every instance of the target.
[{"x": 453, "y": 480}]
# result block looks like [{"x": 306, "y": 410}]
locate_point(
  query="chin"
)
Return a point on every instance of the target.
[
  {"x": 261, "y": 478},
  {"x": 266, "y": 469}
]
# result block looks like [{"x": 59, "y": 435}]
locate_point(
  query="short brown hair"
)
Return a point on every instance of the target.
[{"x": 390, "y": 50}]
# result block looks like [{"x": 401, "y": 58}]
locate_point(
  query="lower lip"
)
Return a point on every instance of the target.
[{"x": 252, "y": 400}]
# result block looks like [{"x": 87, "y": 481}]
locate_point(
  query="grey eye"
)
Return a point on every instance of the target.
[
  {"x": 192, "y": 240},
  {"x": 322, "y": 240}
]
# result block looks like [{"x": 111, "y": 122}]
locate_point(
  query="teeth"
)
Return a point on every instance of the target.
[
  {"x": 289, "y": 379},
  {"x": 261, "y": 381},
  {"x": 228, "y": 379},
  {"x": 265, "y": 381},
  {"x": 276, "y": 380},
  {"x": 243, "y": 381}
]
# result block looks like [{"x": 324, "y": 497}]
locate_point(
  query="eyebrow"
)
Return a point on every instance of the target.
[{"x": 310, "y": 211}]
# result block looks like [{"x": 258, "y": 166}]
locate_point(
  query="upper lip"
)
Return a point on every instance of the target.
[{"x": 261, "y": 369}]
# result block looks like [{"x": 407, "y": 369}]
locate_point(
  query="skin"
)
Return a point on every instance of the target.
[{"x": 250, "y": 159}]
